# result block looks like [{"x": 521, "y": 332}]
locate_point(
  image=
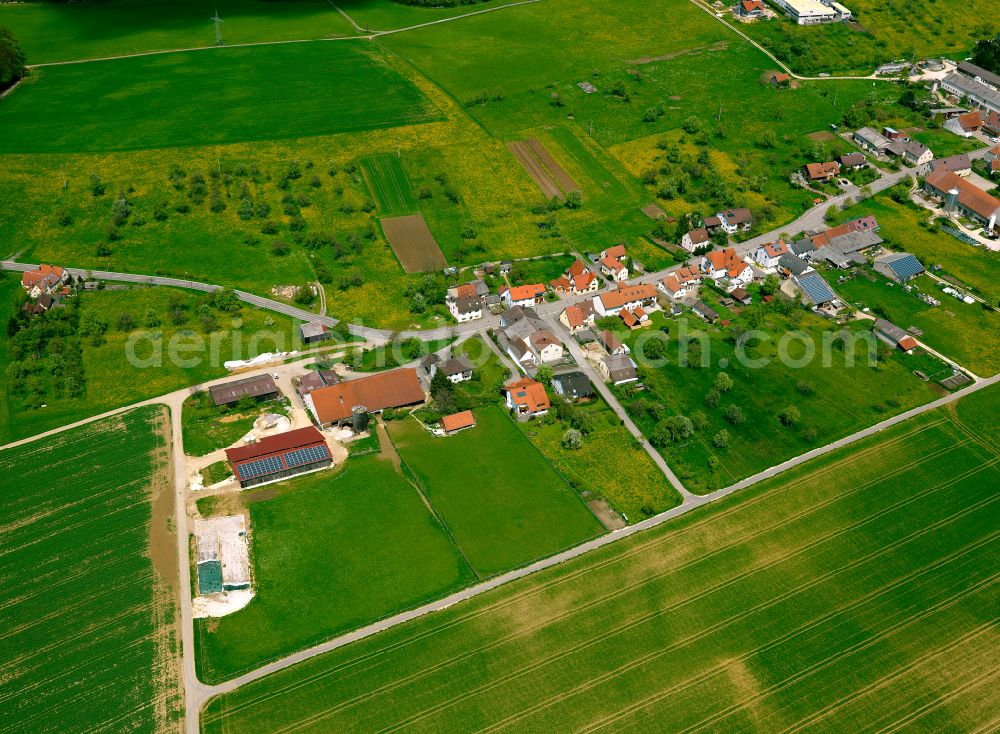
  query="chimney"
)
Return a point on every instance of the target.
[{"x": 951, "y": 201}]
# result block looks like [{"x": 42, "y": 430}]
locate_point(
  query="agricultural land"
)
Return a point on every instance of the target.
[{"x": 89, "y": 560}]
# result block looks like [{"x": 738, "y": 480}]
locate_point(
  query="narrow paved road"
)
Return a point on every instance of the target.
[{"x": 612, "y": 401}]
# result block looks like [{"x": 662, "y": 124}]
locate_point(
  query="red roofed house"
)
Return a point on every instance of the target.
[
  {"x": 615, "y": 251},
  {"x": 278, "y": 457},
  {"x": 577, "y": 280},
  {"x": 634, "y": 318},
  {"x": 993, "y": 160},
  {"x": 727, "y": 264},
  {"x": 527, "y": 397},
  {"x": 672, "y": 287},
  {"x": 965, "y": 124},
  {"x": 522, "y": 295},
  {"x": 626, "y": 296},
  {"x": 335, "y": 404},
  {"x": 578, "y": 316},
  {"x": 767, "y": 255},
  {"x": 613, "y": 269},
  {"x": 822, "y": 171},
  {"x": 44, "y": 279},
  {"x": 750, "y": 8},
  {"x": 780, "y": 80},
  {"x": 458, "y": 422}
]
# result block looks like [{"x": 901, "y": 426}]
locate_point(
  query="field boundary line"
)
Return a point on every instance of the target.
[
  {"x": 648, "y": 545},
  {"x": 641, "y": 583},
  {"x": 439, "y": 21}
]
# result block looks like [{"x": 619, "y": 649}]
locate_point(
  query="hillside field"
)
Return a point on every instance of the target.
[
  {"x": 89, "y": 564},
  {"x": 858, "y": 592}
]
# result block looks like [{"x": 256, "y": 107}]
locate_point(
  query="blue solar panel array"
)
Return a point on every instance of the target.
[
  {"x": 906, "y": 267},
  {"x": 298, "y": 457},
  {"x": 816, "y": 289},
  {"x": 260, "y": 467}
]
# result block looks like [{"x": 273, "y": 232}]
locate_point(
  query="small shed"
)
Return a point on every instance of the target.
[
  {"x": 456, "y": 422},
  {"x": 314, "y": 332}
]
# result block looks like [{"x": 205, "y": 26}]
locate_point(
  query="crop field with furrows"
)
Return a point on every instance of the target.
[
  {"x": 387, "y": 181},
  {"x": 856, "y": 593},
  {"x": 89, "y": 569},
  {"x": 72, "y": 31},
  {"x": 502, "y": 501},
  {"x": 209, "y": 98}
]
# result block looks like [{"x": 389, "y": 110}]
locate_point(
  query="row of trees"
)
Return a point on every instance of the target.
[{"x": 12, "y": 59}]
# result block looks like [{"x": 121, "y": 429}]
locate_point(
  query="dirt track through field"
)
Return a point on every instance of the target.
[
  {"x": 535, "y": 169},
  {"x": 413, "y": 243},
  {"x": 565, "y": 181}
]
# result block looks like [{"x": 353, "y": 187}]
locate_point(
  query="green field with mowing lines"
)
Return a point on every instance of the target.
[
  {"x": 387, "y": 181},
  {"x": 209, "y": 98},
  {"x": 497, "y": 494},
  {"x": 857, "y": 592},
  {"x": 69, "y": 31},
  {"x": 331, "y": 552},
  {"x": 89, "y": 567}
]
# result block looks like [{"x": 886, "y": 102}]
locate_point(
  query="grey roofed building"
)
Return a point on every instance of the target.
[
  {"x": 465, "y": 305},
  {"x": 574, "y": 385},
  {"x": 316, "y": 379},
  {"x": 802, "y": 247},
  {"x": 585, "y": 336},
  {"x": 793, "y": 264},
  {"x": 702, "y": 309},
  {"x": 492, "y": 299},
  {"x": 899, "y": 266},
  {"x": 314, "y": 332},
  {"x": 523, "y": 328},
  {"x": 620, "y": 369},
  {"x": 516, "y": 313},
  {"x": 908, "y": 148},
  {"x": 260, "y": 387},
  {"x": 979, "y": 73},
  {"x": 828, "y": 254},
  {"x": 429, "y": 361},
  {"x": 482, "y": 289},
  {"x": 815, "y": 289},
  {"x": 959, "y": 164},
  {"x": 977, "y": 92},
  {"x": 852, "y": 160},
  {"x": 459, "y": 365},
  {"x": 845, "y": 244},
  {"x": 871, "y": 139}
]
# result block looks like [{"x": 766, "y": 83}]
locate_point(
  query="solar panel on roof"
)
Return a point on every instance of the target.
[
  {"x": 906, "y": 267},
  {"x": 260, "y": 467},
  {"x": 298, "y": 457},
  {"x": 816, "y": 289}
]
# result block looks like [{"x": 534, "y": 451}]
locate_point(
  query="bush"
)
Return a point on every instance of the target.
[
  {"x": 721, "y": 439},
  {"x": 734, "y": 414},
  {"x": 572, "y": 440},
  {"x": 805, "y": 388},
  {"x": 789, "y": 416},
  {"x": 280, "y": 248}
]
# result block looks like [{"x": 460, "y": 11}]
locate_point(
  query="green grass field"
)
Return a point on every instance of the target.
[
  {"x": 209, "y": 98},
  {"x": 64, "y": 32},
  {"x": 90, "y": 571},
  {"x": 884, "y": 31},
  {"x": 143, "y": 362},
  {"x": 843, "y": 398},
  {"x": 497, "y": 494},
  {"x": 611, "y": 464},
  {"x": 856, "y": 593},
  {"x": 331, "y": 552},
  {"x": 386, "y": 179}
]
